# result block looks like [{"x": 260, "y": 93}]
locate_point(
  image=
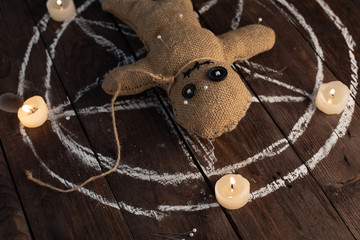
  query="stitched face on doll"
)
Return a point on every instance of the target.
[{"x": 209, "y": 98}]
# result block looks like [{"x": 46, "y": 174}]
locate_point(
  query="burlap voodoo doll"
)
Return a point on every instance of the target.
[{"x": 191, "y": 63}]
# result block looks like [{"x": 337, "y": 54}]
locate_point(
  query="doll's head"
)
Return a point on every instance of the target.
[{"x": 209, "y": 98}]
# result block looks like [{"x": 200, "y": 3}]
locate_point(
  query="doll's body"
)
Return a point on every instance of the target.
[{"x": 189, "y": 62}]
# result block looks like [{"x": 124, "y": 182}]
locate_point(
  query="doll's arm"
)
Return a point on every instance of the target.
[
  {"x": 246, "y": 42},
  {"x": 133, "y": 79}
]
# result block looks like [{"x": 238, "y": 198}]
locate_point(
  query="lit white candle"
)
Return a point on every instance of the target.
[
  {"x": 61, "y": 10},
  {"x": 332, "y": 97},
  {"x": 232, "y": 191},
  {"x": 33, "y": 113}
]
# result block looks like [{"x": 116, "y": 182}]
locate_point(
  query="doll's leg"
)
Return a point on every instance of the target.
[
  {"x": 134, "y": 78},
  {"x": 246, "y": 42}
]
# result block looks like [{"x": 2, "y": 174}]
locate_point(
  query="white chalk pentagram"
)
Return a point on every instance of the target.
[{"x": 56, "y": 112}]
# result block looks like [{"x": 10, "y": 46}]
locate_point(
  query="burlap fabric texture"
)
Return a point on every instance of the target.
[{"x": 180, "y": 55}]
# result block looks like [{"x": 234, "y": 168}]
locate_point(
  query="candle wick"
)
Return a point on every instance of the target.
[
  {"x": 60, "y": 3},
  {"x": 33, "y": 109},
  {"x": 332, "y": 93},
  {"x": 332, "y": 96},
  {"x": 29, "y": 109},
  {"x": 232, "y": 187}
]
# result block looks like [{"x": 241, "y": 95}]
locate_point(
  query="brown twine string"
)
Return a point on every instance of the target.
[
  {"x": 160, "y": 77},
  {"x": 41, "y": 183}
]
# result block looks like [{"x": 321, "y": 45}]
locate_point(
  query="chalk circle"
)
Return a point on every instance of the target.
[{"x": 298, "y": 129}]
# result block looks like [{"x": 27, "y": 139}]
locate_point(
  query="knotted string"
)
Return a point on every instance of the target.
[{"x": 47, "y": 185}]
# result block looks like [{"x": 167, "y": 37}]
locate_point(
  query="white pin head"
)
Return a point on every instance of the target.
[
  {"x": 205, "y": 88},
  {"x": 186, "y": 102},
  {"x": 181, "y": 15},
  {"x": 259, "y": 20},
  {"x": 160, "y": 38}
]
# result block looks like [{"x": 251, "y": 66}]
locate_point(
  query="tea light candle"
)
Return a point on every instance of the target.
[
  {"x": 60, "y": 10},
  {"x": 33, "y": 113},
  {"x": 232, "y": 191},
  {"x": 332, "y": 97}
]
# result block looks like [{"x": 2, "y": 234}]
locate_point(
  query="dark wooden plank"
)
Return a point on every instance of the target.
[
  {"x": 339, "y": 171},
  {"x": 304, "y": 213},
  {"x": 157, "y": 185},
  {"x": 313, "y": 139},
  {"x": 51, "y": 215},
  {"x": 13, "y": 222},
  {"x": 333, "y": 22},
  {"x": 300, "y": 194},
  {"x": 284, "y": 164},
  {"x": 342, "y": 180},
  {"x": 281, "y": 209},
  {"x": 286, "y": 228}
]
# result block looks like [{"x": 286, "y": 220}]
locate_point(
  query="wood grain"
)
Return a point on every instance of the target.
[
  {"x": 284, "y": 114},
  {"x": 12, "y": 218},
  {"x": 339, "y": 172},
  {"x": 149, "y": 141},
  {"x": 51, "y": 215},
  {"x": 251, "y": 13},
  {"x": 333, "y": 23},
  {"x": 226, "y": 7},
  {"x": 166, "y": 172}
]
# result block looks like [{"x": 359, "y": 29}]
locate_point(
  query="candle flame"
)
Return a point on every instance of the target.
[
  {"x": 332, "y": 95},
  {"x": 29, "y": 108},
  {"x": 60, "y": 3},
  {"x": 232, "y": 181},
  {"x": 332, "y": 92}
]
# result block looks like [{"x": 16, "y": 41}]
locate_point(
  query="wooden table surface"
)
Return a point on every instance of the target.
[{"x": 303, "y": 165}]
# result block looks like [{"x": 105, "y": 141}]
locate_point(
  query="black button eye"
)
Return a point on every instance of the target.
[
  {"x": 189, "y": 91},
  {"x": 217, "y": 74}
]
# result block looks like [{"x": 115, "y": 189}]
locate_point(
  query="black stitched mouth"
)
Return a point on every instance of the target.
[{"x": 196, "y": 66}]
